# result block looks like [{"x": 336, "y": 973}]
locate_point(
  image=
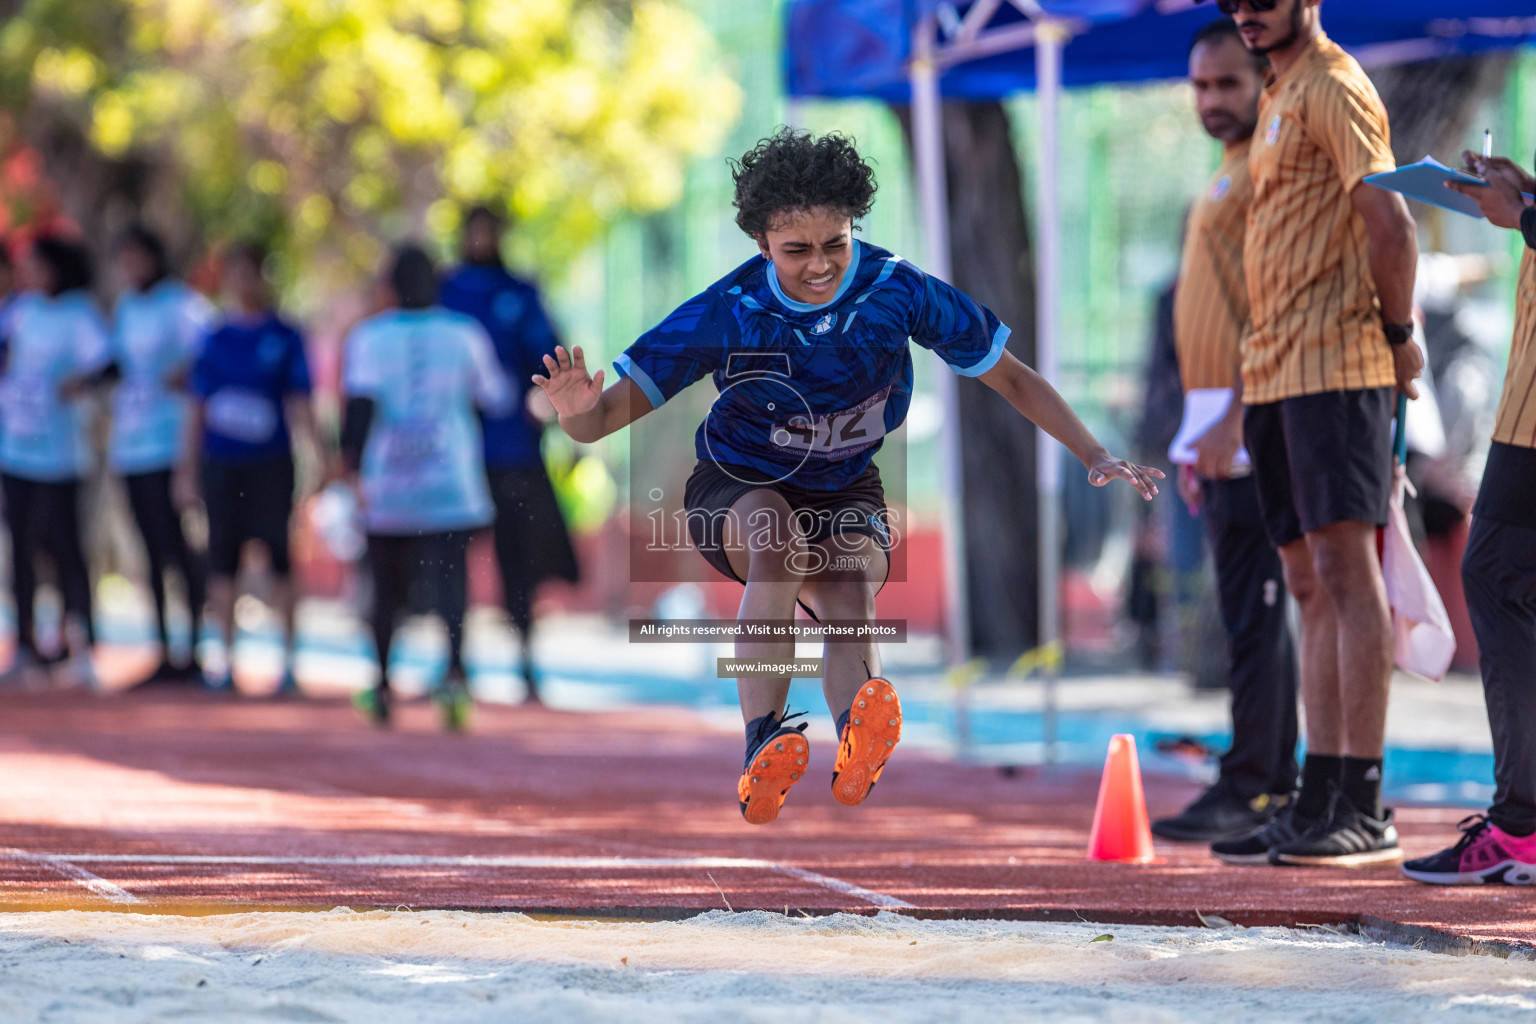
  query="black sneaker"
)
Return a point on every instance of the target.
[
  {"x": 1345, "y": 837},
  {"x": 1284, "y": 827},
  {"x": 1219, "y": 814}
]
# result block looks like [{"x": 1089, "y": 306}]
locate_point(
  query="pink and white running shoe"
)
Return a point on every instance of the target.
[{"x": 1485, "y": 854}]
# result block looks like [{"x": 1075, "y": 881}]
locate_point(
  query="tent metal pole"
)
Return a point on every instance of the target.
[
  {"x": 928, "y": 154},
  {"x": 1050, "y": 38}
]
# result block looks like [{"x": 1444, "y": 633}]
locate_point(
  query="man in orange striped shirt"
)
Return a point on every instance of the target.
[
  {"x": 1329, "y": 264},
  {"x": 1210, "y": 317},
  {"x": 1499, "y": 573}
]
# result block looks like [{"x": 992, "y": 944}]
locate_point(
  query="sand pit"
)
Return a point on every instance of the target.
[{"x": 384, "y": 967}]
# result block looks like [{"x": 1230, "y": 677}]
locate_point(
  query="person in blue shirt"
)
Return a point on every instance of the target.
[
  {"x": 159, "y": 324},
  {"x": 808, "y": 345},
  {"x": 413, "y": 378},
  {"x": 532, "y": 543},
  {"x": 251, "y": 394},
  {"x": 58, "y": 345}
]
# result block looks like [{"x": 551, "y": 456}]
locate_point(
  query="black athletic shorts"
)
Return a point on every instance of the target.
[
  {"x": 247, "y": 501},
  {"x": 1321, "y": 459},
  {"x": 713, "y": 488}
]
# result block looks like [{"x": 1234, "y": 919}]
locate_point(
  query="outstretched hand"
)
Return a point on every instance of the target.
[
  {"x": 569, "y": 388},
  {"x": 1107, "y": 468}
]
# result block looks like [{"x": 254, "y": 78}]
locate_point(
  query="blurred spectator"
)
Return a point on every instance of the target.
[
  {"x": 251, "y": 387},
  {"x": 58, "y": 344},
  {"x": 159, "y": 324},
  {"x": 532, "y": 543},
  {"x": 414, "y": 376}
]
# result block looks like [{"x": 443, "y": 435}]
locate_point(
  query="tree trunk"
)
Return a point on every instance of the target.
[{"x": 991, "y": 260}]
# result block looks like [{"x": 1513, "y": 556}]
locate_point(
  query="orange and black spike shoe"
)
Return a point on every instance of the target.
[
  {"x": 869, "y": 731},
  {"x": 774, "y": 763}
]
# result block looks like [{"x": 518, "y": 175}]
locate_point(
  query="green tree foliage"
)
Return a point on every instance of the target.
[{"x": 339, "y": 124}]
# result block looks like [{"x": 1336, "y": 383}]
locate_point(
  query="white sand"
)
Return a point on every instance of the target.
[{"x": 381, "y": 968}]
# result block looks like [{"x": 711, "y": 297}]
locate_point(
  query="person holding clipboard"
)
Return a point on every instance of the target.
[
  {"x": 1498, "y": 573},
  {"x": 1330, "y": 267}
]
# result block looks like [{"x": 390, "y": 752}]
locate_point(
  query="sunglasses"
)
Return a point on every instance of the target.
[{"x": 1229, "y": 7}]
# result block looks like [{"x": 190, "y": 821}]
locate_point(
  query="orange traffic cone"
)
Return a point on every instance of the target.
[{"x": 1120, "y": 829}]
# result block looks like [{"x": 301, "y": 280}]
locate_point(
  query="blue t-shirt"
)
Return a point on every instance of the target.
[
  {"x": 425, "y": 370},
  {"x": 511, "y": 313},
  {"x": 156, "y": 336},
  {"x": 52, "y": 340},
  {"x": 808, "y": 392},
  {"x": 247, "y": 367}
]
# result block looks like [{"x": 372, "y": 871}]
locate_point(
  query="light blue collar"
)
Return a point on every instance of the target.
[{"x": 812, "y": 307}]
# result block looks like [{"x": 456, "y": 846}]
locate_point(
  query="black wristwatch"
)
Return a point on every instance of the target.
[{"x": 1397, "y": 334}]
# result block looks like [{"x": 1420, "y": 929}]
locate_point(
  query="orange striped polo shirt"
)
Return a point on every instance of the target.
[
  {"x": 1210, "y": 306},
  {"x": 1517, "y": 406},
  {"x": 1316, "y": 316}
]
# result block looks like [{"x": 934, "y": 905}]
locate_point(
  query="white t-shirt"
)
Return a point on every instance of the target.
[
  {"x": 157, "y": 333},
  {"x": 52, "y": 339},
  {"x": 426, "y": 371}
]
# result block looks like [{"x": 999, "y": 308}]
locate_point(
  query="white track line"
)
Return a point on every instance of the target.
[
  {"x": 549, "y": 863},
  {"x": 879, "y": 899},
  {"x": 74, "y": 872}
]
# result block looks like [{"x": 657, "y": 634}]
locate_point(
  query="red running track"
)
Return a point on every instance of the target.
[{"x": 154, "y": 801}]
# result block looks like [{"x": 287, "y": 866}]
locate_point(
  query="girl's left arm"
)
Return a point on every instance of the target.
[{"x": 1040, "y": 403}]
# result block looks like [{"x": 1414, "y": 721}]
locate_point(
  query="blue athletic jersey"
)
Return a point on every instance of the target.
[
  {"x": 808, "y": 392},
  {"x": 246, "y": 368},
  {"x": 43, "y": 436},
  {"x": 511, "y": 313},
  {"x": 426, "y": 370},
  {"x": 155, "y": 338}
]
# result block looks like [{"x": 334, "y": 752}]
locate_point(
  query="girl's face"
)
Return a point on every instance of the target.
[
  {"x": 36, "y": 274},
  {"x": 135, "y": 267},
  {"x": 810, "y": 250},
  {"x": 244, "y": 284}
]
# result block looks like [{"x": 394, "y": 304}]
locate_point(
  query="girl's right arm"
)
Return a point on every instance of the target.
[{"x": 586, "y": 412}]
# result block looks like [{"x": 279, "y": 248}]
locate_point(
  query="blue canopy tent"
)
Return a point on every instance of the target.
[
  {"x": 863, "y": 48},
  {"x": 919, "y": 50}
]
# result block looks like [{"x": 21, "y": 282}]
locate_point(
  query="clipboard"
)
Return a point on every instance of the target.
[{"x": 1425, "y": 181}]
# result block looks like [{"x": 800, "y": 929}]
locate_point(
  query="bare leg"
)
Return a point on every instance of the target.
[
  {"x": 847, "y": 593},
  {"x": 1319, "y": 652},
  {"x": 1349, "y": 576},
  {"x": 221, "y": 608},
  {"x": 766, "y": 550},
  {"x": 284, "y": 604}
]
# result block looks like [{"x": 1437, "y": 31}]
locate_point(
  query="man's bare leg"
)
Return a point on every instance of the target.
[
  {"x": 1319, "y": 679},
  {"x": 1348, "y": 573},
  {"x": 1344, "y": 558}
]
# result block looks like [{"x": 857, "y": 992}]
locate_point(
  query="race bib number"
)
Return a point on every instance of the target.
[
  {"x": 138, "y": 399},
  {"x": 30, "y": 402},
  {"x": 835, "y": 435},
  {"x": 410, "y": 448},
  {"x": 242, "y": 415}
]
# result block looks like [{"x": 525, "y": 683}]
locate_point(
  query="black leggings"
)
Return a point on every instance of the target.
[
  {"x": 149, "y": 495},
  {"x": 44, "y": 518},
  {"x": 433, "y": 562}
]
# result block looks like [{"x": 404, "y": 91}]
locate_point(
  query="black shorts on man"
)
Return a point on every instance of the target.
[{"x": 1321, "y": 459}]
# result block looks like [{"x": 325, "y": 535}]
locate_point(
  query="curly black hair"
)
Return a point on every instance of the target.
[{"x": 791, "y": 171}]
